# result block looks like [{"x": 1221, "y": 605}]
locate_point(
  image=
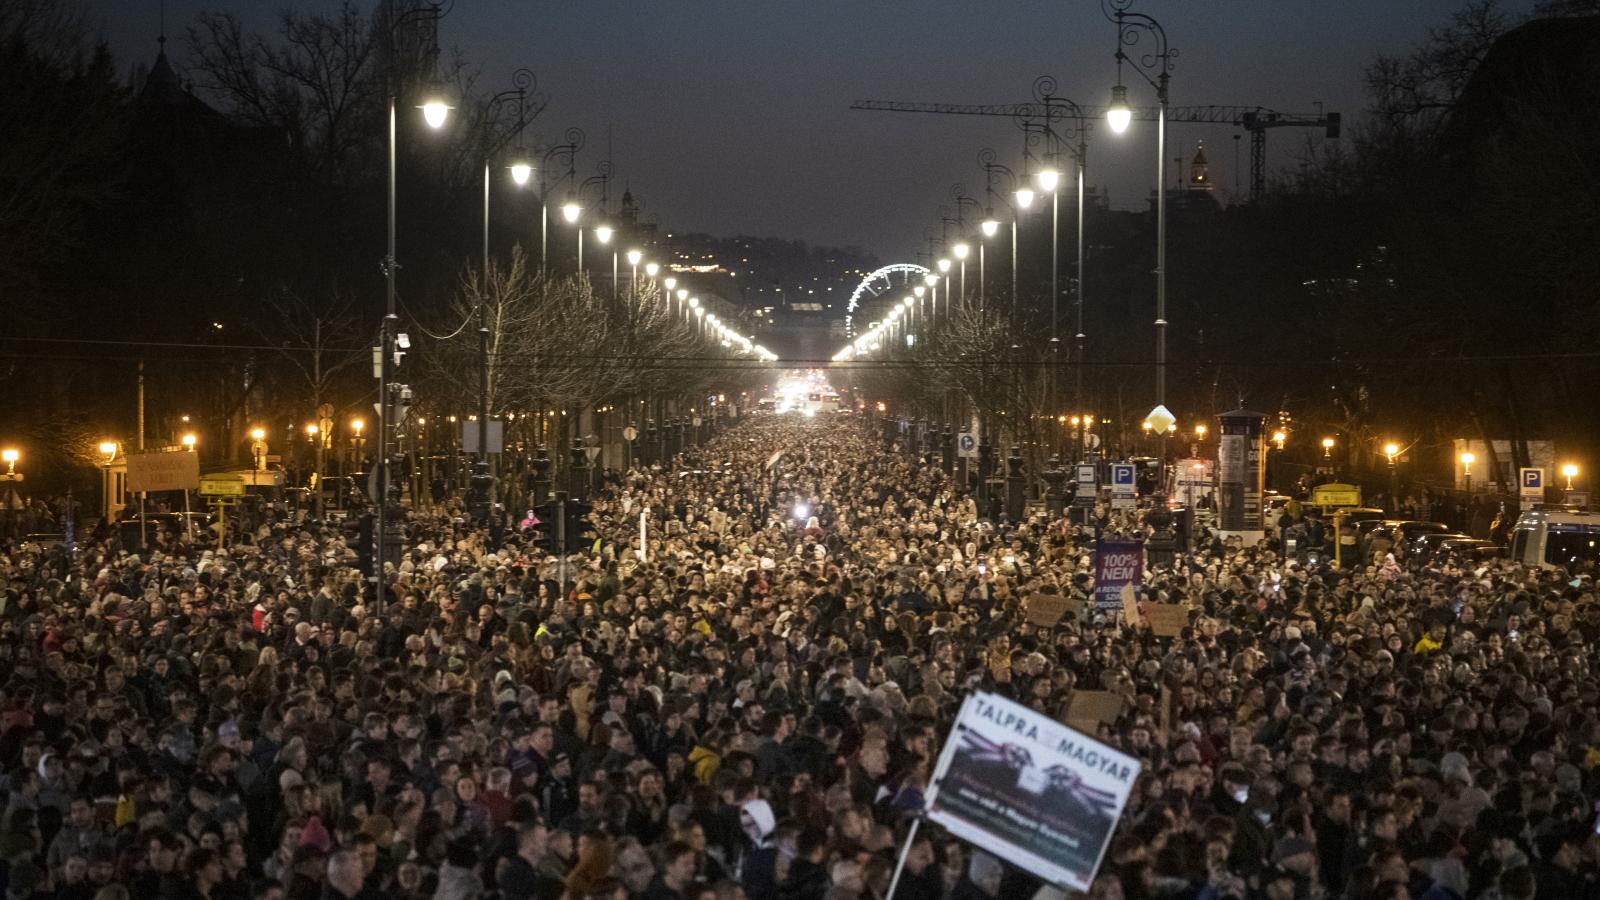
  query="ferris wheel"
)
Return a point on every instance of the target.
[{"x": 897, "y": 276}]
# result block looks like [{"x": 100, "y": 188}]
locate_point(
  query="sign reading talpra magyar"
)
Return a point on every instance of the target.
[{"x": 1029, "y": 789}]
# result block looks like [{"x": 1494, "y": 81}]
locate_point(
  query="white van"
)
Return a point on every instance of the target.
[{"x": 1556, "y": 539}]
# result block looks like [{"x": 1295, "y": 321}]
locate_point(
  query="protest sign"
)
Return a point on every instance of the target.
[
  {"x": 1117, "y": 564},
  {"x": 1046, "y": 610},
  {"x": 171, "y": 470},
  {"x": 1168, "y": 620},
  {"x": 1088, "y": 709},
  {"x": 1030, "y": 790}
]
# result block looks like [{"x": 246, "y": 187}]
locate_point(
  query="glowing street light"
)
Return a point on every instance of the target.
[
  {"x": 108, "y": 449},
  {"x": 1024, "y": 198},
  {"x": 1119, "y": 114},
  {"x": 435, "y": 112},
  {"x": 571, "y": 211},
  {"x": 1571, "y": 471},
  {"x": 990, "y": 227},
  {"x": 1047, "y": 179},
  {"x": 1279, "y": 437},
  {"x": 189, "y": 440},
  {"x": 521, "y": 170},
  {"x": 1391, "y": 450},
  {"x": 602, "y": 233}
]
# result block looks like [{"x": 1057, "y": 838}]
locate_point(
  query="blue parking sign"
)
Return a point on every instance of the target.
[
  {"x": 1533, "y": 479},
  {"x": 1122, "y": 475}
]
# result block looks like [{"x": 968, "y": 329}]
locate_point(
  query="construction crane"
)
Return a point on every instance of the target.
[{"x": 1254, "y": 119}]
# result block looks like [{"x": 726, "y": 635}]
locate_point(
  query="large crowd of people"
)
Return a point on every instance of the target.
[{"x": 749, "y": 703}]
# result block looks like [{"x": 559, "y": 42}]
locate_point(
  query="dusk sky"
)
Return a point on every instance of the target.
[{"x": 713, "y": 99}]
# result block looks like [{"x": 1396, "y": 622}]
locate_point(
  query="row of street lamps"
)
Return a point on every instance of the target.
[{"x": 1155, "y": 67}]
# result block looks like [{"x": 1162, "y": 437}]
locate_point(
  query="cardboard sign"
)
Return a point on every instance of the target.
[
  {"x": 1130, "y": 605},
  {"x": 1045, "y": 610},
  {"x": 1167, "y": 619},
  {"x": 1088, "y": 709},
  {"x": 163, "y": 470},
  {"x": 1024, "y": 788}
]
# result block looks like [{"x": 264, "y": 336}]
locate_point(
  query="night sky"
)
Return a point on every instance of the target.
[{"x": 732, "y": 116}]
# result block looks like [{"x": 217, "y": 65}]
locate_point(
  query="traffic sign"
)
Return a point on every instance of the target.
[
  {"x": 222, "y": 486},
  {"x": 967, "y": 446},
  {"x": 630, "y": 433},
  {"x": 696, "y": 422},
  {"x": 1123, "y": 489},
  {"x": 1531, "y": 481}
]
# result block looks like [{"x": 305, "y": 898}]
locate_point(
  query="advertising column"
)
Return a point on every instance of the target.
[{"x": 1241, "y": 473}]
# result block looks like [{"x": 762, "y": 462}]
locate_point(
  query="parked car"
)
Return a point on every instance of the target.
[
  {"x": 1467, "y": 551},
  {"x": 1424, "y": 547}
]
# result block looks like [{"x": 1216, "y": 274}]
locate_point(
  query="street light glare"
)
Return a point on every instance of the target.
[
  {"x": 9, "y": 455},
  {"x": 189, "y": 440},
  {"x": 1048, "y": 179},
  {"x": 356, "y": 425},
  {"x": 435, "y": 112},
  {"x": 1391, "y": 449},
  {"x": 571, "y": 211},
  {"x": 520, "y": 171},
  {"x": 1468, "y": 458},
  {"x": 1119, "y": 115},
  {"x": 602, "y": 233},
  {"x": 944, "y": 265},
  {"x": 1569, "y": 470},
  {"x": 930, "y": 279},
  {"x": 650, "y": 269},
  {"x": 990, "y": 227},
  {"x": 109, "y": 448},
  {"x": 634, "y": 256},
  {"x": 961, "y": 250},
  {"x": 1024, "y": 198},
  {"x": 258, "y": 434}
]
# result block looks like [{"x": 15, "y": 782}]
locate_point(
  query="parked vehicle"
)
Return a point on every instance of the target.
[{"x": 1553, "y": 539}]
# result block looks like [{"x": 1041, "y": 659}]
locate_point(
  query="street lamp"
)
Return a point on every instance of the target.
[
  {"x": 571, "y": 211},
  {"x": 189, "y": 440},
  {"x": 960, "y": 252},
  {"x": 434, "y": 111},
  {"x": 634, "y": 258},
  {"x": 1118, "y": 115},
  {"x": 108, "y": 449},
  {"x": 1327, "y": 448},
  {"x": 1570, "y": 470},
  {"x": 989, "y": 228},
  {"x": 1467, "y": 459},
  {"x": 1391, "y": 450},
  {"x": 1280, "y": 437},
  {"x": 357, "y": 439}
]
